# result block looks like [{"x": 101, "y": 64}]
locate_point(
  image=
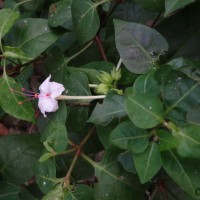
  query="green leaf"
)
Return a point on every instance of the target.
[
  {"x": 180, "y": 92},
  {"x": 60, "y": 14},
  {"x": 127, "y": 136},
  {"x": 45, "y": 174},
  {"x": 77, "y": 84},
  {"x": 32, "y": 36},
  {"x": 111, "y": 176},
  {"x": 183, "y": 171},
  {"x": 9, "y": 191},
  {"x": 55, "y": 132},
  {"x": 144, "y": 110},
  {"x": 193, "y": 116},
  {"x": 18, "y": 154},
  {"x": 77, "y": 115},
  {"x": 147, "y": 84},
  {"x": 126, "y": 159},
  {"x": 57, "y": 193},
  {"x": 112, "y": 107},
  {"x": 147, "y": 163},
  {"x": 7, "y": 19},
  {"x": 92, "y": 74},
  {"x": 189, "y": 141},
  {"x": 81, "y": 192},
  {"x": 167, "y": 140},
  {"x": 188, "y": 66},
  {"x": 153, "y": 5},
  {"x": 9, "y": 100},
  {"x": 14, "y": 52},
  {"x": 45, "y": 157},
  {"x": 172, "y": 5},
  {"x": 86, "y": 20},
  {"x": 139, "y": 46}
]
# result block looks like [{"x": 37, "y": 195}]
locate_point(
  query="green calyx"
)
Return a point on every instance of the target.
[{"x": 108, "y": 82}]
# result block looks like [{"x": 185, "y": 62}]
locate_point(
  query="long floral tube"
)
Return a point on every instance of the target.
[{"x": 65, "y": 97}]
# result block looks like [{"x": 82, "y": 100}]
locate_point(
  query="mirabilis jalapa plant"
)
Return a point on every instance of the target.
[{"x": 119, "y": 103}]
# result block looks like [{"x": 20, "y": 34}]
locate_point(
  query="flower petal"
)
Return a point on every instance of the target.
[
  {"x": 44, "y": 87},
  {"x": 47, "y": 105},
  {"x": 56, "y": 89}
]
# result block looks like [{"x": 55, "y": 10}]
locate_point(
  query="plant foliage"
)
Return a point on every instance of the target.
[{"x": 142, "y": 141}]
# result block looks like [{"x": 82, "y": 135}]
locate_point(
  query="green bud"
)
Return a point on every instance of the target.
[
  {"x": 120, "y": 92},
  {"x": 116, "y": 75},
  {"x": 105, "y": 77},
  {"x": 102, "y": 89}
]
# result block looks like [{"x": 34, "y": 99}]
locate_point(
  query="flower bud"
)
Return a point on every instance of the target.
[
  {"x": 102, "y": 89},
  {"x": 120, "y": 92},
  {"x": 105, "y": 77},
  {"x": 116, "y": 75}
]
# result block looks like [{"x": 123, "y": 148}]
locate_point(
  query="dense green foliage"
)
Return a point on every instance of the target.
[{"x": 142, "y": 139}]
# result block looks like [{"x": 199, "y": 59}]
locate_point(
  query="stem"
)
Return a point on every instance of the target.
[
  {"x": 63, "y": 97},
  {"x": 156, "y": 19},
  {"x": 93, "y": 85},
  {"x": 101, "y": 49},
  {"x": 66, "y": 152},
  {"x": 119, "y": 64},
  {"x": 4, "y": 67},
  {"x": 87, "y": 137},
  {"x": 82, "y": 50},
  {"x": 68, "y": 175}
]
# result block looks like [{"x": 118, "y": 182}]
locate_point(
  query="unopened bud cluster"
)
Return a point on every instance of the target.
[{"x": 108, "y": 82}]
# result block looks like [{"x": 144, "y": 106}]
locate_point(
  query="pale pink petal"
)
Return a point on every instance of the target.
[
  {"x": 46, "y": 104},
  {"x": 56, "y": 89},
  {"x": 44, "y": 87}
]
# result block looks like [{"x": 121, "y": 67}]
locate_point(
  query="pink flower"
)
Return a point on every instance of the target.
[{"x": 47, "y": 97}]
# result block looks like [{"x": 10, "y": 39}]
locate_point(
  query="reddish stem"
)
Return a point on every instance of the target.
[{"x": 101, "y": 49}]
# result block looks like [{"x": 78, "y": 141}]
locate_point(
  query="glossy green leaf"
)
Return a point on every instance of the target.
[
  {"x": 127, "y": 136},
  {"x": 85, "y": 19},
  {"x": 104, "y": 133},
  {"x": 189, "y": 141},
  {"x": 77, "y": 84},
  {"x": 139, "y": 46},
  {"x": 193, "y": 116},
  {"x": 173, "y": 5},
  {"x": 32, "y": 36},
  {"x": 9, "y": 101},
  {"x": 111, "y": 176},
  {"x": 77, "y": 115},
  {"x": 188, "y": 66},
  {"x": 14, "y": 52},
  {"x": 153, "y": 5},
  {"x": 144, "y": 110},
  {"x": 7, "y": 19},
  {"x": 126, "y": 159},
  {"x": 18, "y": 155},
  {"x": 167, "y": 140},
  {"x": 57, "y": 193},
  {"x": 55, "y": 132},
  {"x": 9, "y": 191},
  {"x": 147, "y": 163},
  {"x": 180, "y": 92},
  {"x": 60, "y": 14},
  {"x": 82, "y": 192},
  {"x": 147, "y": 84},
  {"x": 112, "y": 107},
  {"x": 183, "y": 171},
  {"x": 45, "y": 174}
]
